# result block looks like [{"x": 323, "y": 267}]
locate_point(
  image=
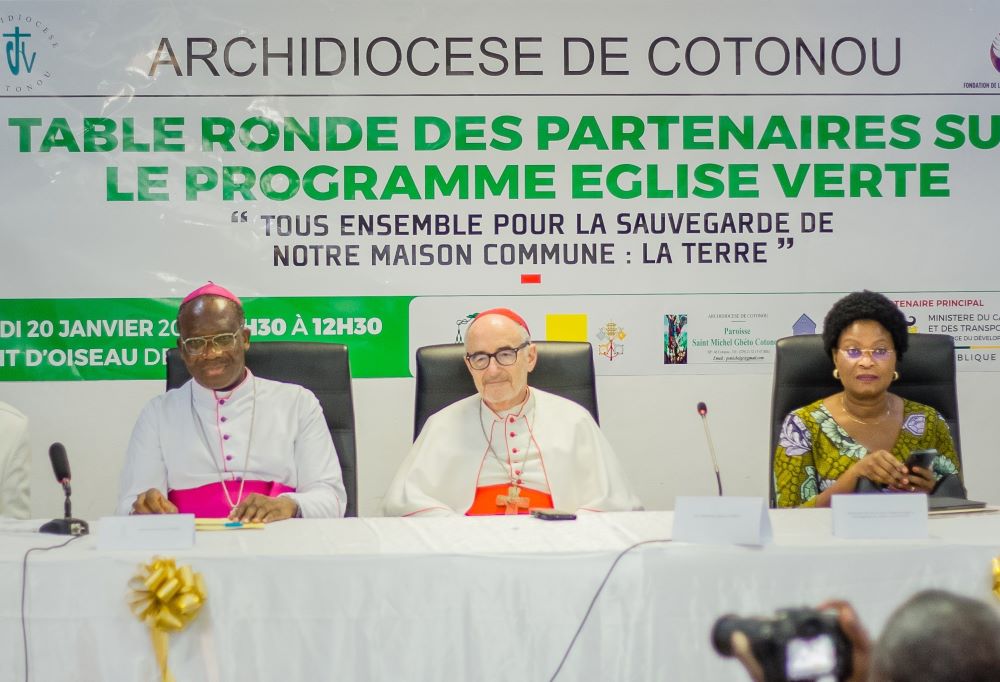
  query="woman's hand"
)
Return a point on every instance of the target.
[
  {"x": 921, "y": 480},
  {"x": 882, "y": 468}
]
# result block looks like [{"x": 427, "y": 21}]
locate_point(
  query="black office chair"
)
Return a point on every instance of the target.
[
  {"x": 565, "y": 368},
  {"x": 803, "y": 373},
  {"x": 323, "y": 368}
]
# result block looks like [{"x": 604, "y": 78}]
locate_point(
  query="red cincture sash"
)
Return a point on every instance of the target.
[{"x": 485, "y": 503}]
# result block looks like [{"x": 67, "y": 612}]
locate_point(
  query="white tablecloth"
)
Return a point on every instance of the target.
[{"x": 461, "y": 599}]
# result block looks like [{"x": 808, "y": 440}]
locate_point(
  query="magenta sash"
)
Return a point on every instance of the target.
[{"x": 208, "y": 501}]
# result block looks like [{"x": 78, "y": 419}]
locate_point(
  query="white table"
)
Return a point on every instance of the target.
[{"x": 461, "y": 599}]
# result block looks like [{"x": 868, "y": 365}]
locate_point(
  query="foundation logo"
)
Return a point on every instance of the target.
[
  {"x": 461, "y": 324},
  {"x": 609, "y": 341},
  {"x": 995, "y": 53},
  {"x": 28, "y": 43}
]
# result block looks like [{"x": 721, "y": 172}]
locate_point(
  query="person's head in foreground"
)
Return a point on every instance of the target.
[{"x": 937, "y": 636}]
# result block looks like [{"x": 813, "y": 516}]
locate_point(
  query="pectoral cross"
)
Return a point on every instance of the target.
[{"x": 511, "y": 501}]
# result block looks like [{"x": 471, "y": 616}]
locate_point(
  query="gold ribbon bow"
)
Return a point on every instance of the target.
[
  {"x": 166, "y": 597},
  {"x": 996, "y": 577}
]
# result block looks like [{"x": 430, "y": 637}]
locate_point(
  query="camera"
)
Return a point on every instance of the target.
[{"x": 796, "y": 645}]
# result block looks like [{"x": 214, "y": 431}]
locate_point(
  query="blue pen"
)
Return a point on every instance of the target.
[{"x": 234, "y": 524}]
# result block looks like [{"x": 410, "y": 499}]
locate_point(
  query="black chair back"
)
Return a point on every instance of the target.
[
  {"x": 565, "y": 368},
  {"x": 803, "y": 373},
  {"x": 324, "y": 369}
]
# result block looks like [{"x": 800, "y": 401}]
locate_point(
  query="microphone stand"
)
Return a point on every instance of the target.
[
  {"x": 66, "y": 525},
  {"x": 711, "y": 450},
  {"x": 703, "y": 411}
]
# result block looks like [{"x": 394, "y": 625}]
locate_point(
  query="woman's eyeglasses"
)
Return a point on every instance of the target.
[{"x": 877, "y": 354}]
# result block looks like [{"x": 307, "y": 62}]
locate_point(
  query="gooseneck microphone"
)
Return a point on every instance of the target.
[
  {"x": 703, "y": 411},
  {"x": 66, "y": 525}
]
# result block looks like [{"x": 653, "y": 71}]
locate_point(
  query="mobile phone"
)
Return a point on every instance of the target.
[
  {"x": 921, "y": 458},
  {"x": 553, "y": 515}
]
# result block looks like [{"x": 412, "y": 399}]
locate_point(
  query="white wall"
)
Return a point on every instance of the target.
[{"x": 651, "y": 421}]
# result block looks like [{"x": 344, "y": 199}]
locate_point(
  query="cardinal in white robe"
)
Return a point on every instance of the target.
[{"x": 509, "y": 448}]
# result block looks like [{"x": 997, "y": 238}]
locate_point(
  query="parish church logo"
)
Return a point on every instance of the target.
[
  {"x": 610, "y": 340},
  {"x": 675, "y": 339},
  {"x": 27, "y": 43}
]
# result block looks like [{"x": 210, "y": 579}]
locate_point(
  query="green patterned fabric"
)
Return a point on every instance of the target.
[{"x": 813, "y": 450}]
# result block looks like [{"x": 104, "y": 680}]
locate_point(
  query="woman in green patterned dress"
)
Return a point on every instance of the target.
[{"x": 864, "y": 431}]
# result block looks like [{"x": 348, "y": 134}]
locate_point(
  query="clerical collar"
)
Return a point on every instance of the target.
[
  {"x": 517, "y": 410},
  {"x": 211, "y": 395}
]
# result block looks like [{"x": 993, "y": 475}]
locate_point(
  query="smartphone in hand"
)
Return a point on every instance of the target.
[{"x": 921, "y": 458}]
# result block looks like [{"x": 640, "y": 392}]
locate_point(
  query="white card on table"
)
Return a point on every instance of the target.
[
  {"x": 146, "y": 531},
  {"x": 722, "y": 521},
  {"x": 885, "y": 516}
]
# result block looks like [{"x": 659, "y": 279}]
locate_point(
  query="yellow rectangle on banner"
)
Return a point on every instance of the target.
[{"x": 565, "y": 327}]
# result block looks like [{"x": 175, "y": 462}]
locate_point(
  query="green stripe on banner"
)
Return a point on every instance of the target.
[{"x": 89, "y": 339}]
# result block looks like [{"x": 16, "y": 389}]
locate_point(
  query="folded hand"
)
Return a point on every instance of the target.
[
  {"x": 883, "y": 468},
  {"x": 261, "y": 508},
  {"x": 153, "y": 502}
]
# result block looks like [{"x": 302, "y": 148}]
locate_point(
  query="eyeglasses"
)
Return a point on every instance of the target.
[
  {"x": 505, "y": 357},
  {"x": 196, "y": 345},
  {"x": 877, "y": 354}
]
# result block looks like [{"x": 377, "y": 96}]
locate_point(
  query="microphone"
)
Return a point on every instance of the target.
[
  {"x": 60, "y": 462},
  {"x": 66, "y": 525},
  {"x": 703, "y": 411}
]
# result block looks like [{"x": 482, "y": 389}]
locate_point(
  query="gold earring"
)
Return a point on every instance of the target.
[
  {"x": 895, "y": 376},
  {"x": 836, "y": 374}
]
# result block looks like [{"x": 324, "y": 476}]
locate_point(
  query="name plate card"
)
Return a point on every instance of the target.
[
  {"x": 722, "y": 521},
  {"x": 885, "y": 516},
  {"x": 146, "y": 531}
]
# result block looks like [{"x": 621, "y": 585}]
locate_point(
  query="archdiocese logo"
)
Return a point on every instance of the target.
[
  {"x": 27, "y": 43},
  {"x": 610, "y": 341}
]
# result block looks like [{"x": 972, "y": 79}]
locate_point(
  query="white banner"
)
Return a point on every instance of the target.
[{"x": 678, "y": 183}]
